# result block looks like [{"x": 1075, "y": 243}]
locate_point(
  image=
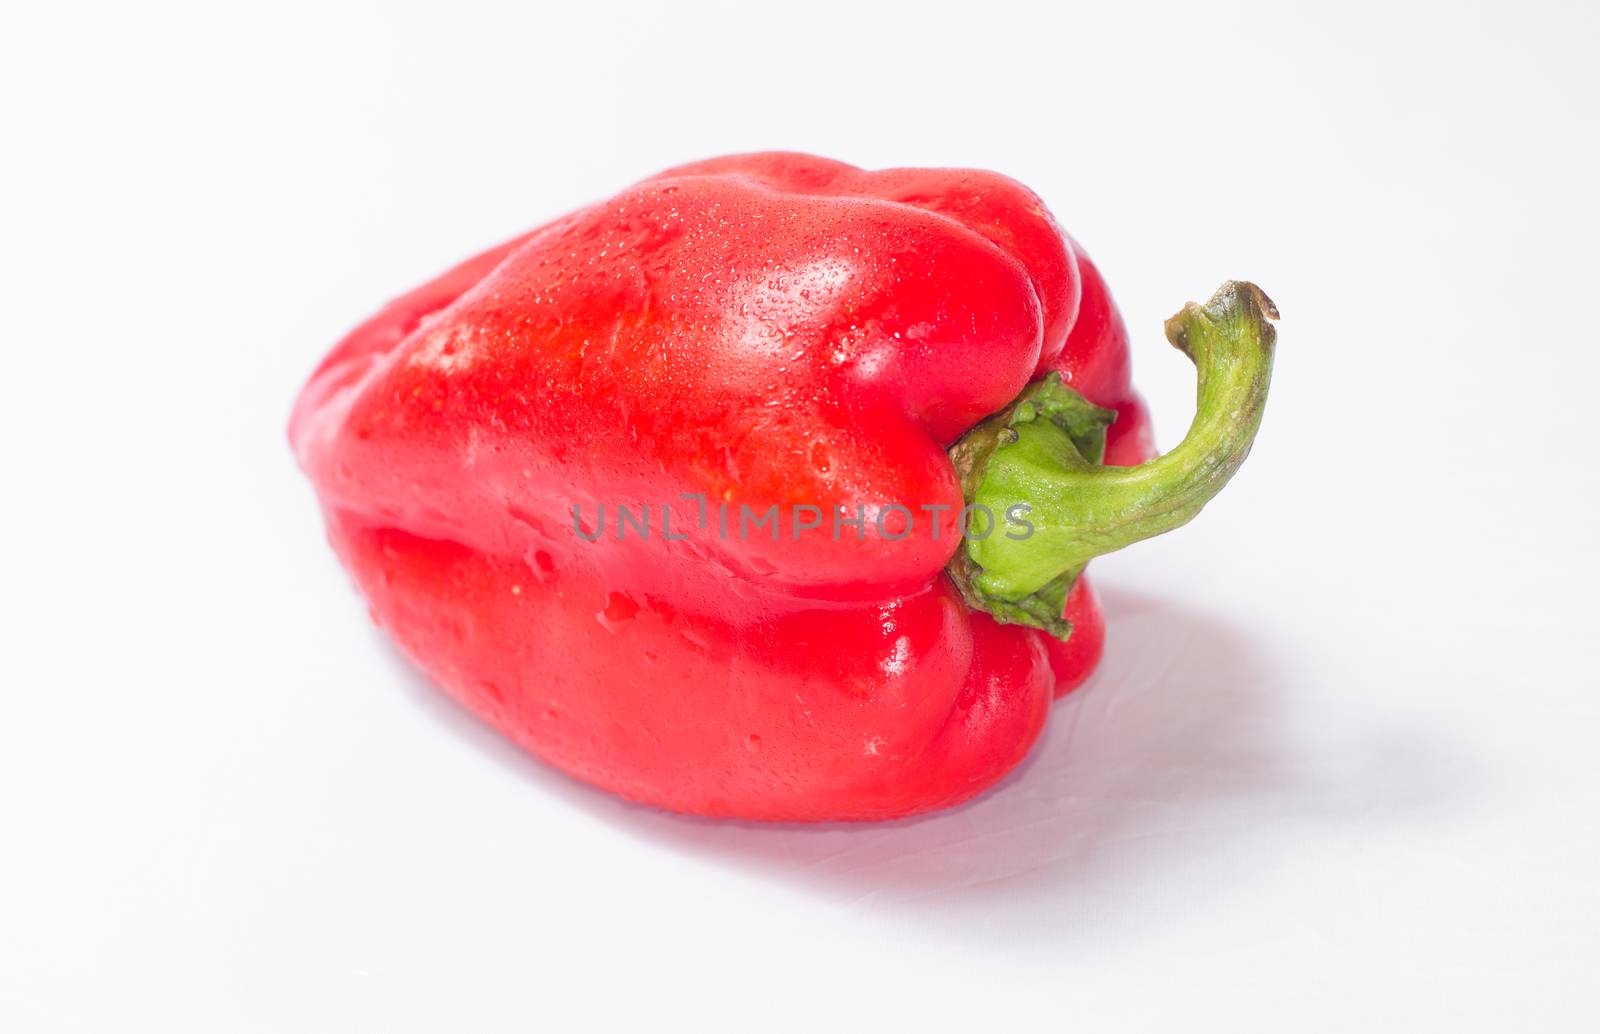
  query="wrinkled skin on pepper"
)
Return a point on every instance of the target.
[{"x": 765, "y": 330}]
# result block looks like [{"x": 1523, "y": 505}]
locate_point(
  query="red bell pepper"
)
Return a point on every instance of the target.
[{"x": 671, "y": 491}]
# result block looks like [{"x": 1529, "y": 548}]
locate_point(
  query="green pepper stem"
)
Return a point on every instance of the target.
[{"x": 1036, "y": 454}]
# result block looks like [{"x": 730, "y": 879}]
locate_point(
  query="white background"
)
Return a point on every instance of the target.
[{"x": 1339, "y": 771}]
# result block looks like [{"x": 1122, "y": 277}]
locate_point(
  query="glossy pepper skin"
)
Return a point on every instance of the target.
[{"x": 765, "y": 329}]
